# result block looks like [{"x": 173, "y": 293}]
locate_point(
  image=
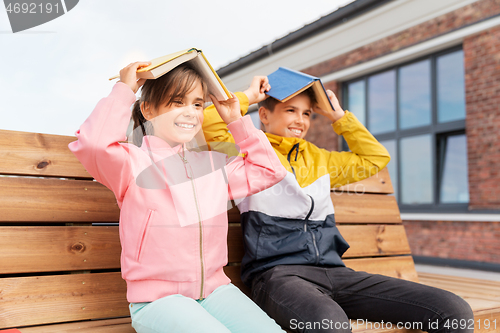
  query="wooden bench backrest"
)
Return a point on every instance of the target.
[{"x": 55, "y": 266}]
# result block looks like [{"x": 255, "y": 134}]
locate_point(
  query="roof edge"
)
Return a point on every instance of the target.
[{"x": 328, "y": 21}]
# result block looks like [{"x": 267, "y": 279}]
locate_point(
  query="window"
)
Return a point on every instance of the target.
[{"x": 417, "y": 111}]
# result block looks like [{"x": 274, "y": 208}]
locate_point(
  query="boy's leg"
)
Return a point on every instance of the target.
[
  {"x": 173, "y": 314},
  {"x": 238, "y": 312},
  {"x": 372, "y": 297},
  {"x": 299, "y": 298}
]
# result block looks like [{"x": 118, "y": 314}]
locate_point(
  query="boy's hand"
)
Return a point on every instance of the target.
[
  {"x": 228, "y": 110},
  {"x": 257, "y": 91},
  {"x": 128, "y": 75},
  {"x": 335, "y": 115}
]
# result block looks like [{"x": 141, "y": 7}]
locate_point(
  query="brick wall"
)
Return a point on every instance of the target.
[
  {"x": 440, "y": 25},
  {"x": 474, "y": 241},
  {"x": 482, "y": 87},
  {"x": 482, "y": 81},
  {"x": 321, "y": 132}
]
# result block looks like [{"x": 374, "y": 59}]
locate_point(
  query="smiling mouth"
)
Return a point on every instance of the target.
[
  {"x": 296, "y": 131},
  {"x": 185, "y": 126}
]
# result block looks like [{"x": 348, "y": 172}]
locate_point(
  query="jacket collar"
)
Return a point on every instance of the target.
[
  {"x": 154, "y": 143},
  {"x": 284, "y": 145}
]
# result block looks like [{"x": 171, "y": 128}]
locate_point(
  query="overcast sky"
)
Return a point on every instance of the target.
[{"x": 54, "y": 74}]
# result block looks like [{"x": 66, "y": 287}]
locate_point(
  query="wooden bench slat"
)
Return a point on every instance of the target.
[
  {"x": 47, "y": 249},
  {"x": 58, "y": 298},
  {"x": 37, "y": 154},
  {"x": 366, "y": 208},
  {"x": 401, "y": 267},
  {"x": 489, "y": 290},
  {"x": 365, "y": 240},
  {"x": 56, "y": 200},
  {"x": 378, "y": 183},
  {"x": 493, "y": 285},
  {"x": 374, "y": 240},
  {"x": 120, "y": 325},
  {"x": 51, "y": 249}
]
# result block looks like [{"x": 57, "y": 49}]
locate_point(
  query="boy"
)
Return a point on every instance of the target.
[{"x": 293, "y": 249}]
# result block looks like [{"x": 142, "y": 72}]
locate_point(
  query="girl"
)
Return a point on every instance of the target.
[{"x": 173, "y": 201}]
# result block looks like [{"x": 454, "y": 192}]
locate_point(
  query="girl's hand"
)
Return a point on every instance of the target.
[
  {"x": 128, "y": 75},
  {"x": 335, "y": 115},
  {"x": 228, "y": 110},
  {"x": 257, "y": 91}
]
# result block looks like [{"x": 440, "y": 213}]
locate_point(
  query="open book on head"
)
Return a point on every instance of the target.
[
  {"x": 287, "y": 83},
  {"x": 197, "y": 59}
]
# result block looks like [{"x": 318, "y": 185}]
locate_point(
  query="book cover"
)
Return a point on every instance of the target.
[
  {"x": 287, "y": 83},
  {"x": 162, "y": 65}
]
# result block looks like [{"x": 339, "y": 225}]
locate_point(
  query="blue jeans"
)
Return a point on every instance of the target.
[
  {"x": 318, "y": 299},
  {"x": 226, "y": 309}
]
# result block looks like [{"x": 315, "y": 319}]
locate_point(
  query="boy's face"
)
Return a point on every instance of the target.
[{"x": 290, "y": 119}]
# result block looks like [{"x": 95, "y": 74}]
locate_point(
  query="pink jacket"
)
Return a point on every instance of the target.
[{"x": 173, "y": 218}]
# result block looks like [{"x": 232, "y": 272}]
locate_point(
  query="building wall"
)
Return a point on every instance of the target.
[
  {"x": 435, "y": 27},
  {"x": 482, "y": 88},
  {"x": 321, "y": 132},
  {"x": 473, "y": 241},
  {"x": 375, "y": 25},
  {"x": 482, "y": 81},
  {"x": 463, "y": 240},
  {"x": 395, "y": 33}
]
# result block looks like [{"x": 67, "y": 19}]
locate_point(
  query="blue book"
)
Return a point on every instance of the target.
[{"x": 287, "y": 83}]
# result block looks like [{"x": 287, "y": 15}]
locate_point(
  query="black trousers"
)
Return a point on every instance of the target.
[{"x": 318, "y": 299}]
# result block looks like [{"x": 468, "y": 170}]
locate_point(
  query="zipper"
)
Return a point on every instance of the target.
[
  {"x": 296, "y": 148},
  {"x": 199, "y": 224},
  {"x": 312, "y": 233}
]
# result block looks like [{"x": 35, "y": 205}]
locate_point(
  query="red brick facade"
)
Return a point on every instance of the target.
[
  {"x": 482, "y": 81},
  {"x": 482, "y": 87},
  {"x": 321, "y": 132},
  {"x": 440, "y": 25},
  {"x": 473, "y": 241}
]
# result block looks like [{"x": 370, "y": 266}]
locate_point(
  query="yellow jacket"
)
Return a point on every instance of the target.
[{"x": 367, "y": 156}]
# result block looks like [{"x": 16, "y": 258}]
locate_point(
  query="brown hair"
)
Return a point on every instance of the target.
[
  {"x": 270, "y": 102},
  {"x": 163, "y": 91}
]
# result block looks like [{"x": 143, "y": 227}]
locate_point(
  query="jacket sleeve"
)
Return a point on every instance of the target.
[
  {"x": 257, "y": 166},
  {"x": 97, "y": 146},
  {"x": 214, "y": 128},
  {"x": 366, "y": 158}
]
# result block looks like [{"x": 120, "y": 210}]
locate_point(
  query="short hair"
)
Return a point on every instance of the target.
[{"x": 270, "y": 102}]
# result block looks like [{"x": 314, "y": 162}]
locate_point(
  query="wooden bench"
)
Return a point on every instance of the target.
[{"x": 60, "y": 262}]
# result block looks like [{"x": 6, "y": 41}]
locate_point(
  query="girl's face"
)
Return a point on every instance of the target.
[{"x": 180, "y": 121}]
